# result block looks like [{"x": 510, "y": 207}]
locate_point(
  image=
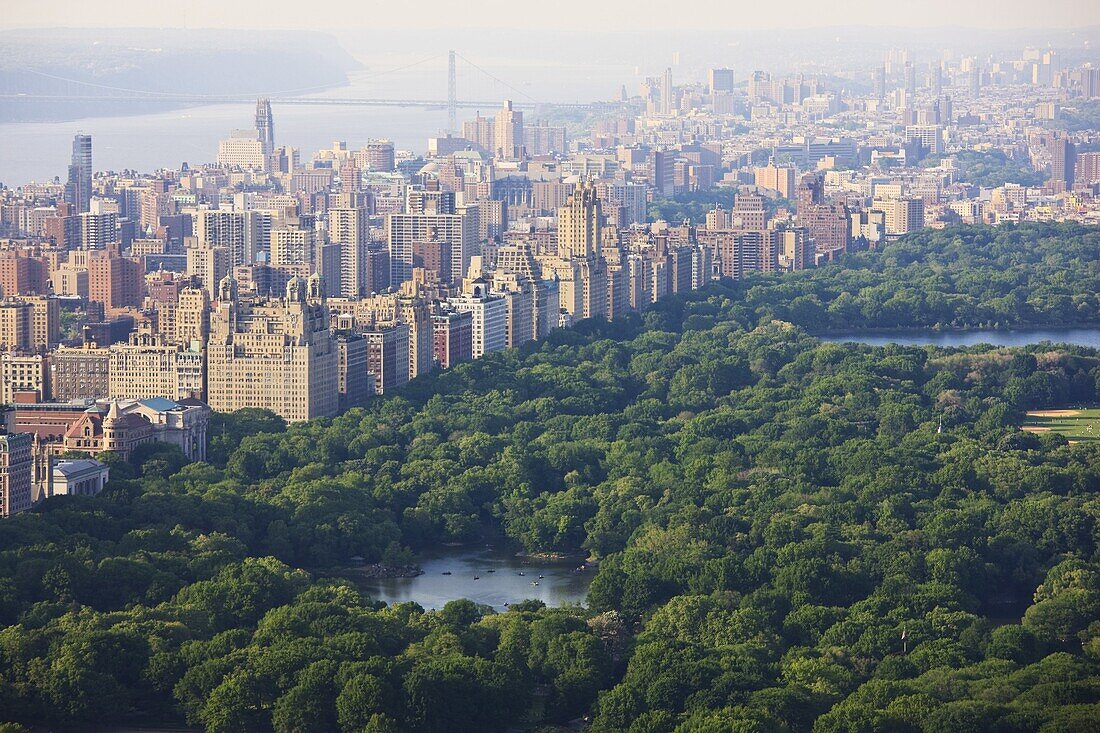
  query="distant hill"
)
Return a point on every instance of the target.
[{"x": 99, "y": 63}]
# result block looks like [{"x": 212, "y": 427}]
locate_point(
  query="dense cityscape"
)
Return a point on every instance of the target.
[
  {"x": 587, "y": 333},
  {"x": 304, "y": 287}
]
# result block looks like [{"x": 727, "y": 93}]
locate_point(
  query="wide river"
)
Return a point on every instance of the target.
[
  {"x": 1014, "y": 337},
  {"x": 41, "y": 150},
  {"x": 491, "y": 577}
]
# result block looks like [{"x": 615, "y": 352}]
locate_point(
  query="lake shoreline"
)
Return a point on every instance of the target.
[
  {"x": 886, "y": 330},
  {"x": 493, "y": 576},
  {"x": 1015, "y": 337}
]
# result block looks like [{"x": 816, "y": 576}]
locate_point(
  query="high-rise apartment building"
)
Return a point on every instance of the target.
[
  {"x": 22, "y": 274},
  {"x": 98, "y": 230},
  {"x": 579, "y": 223},
  {"x": 294, "y": 247},
  {"x": 721, "y": 81},
  {"x": 23, "y": 375},
  {"x": 243, "y": 149},
  {"x": 349, "y": 229},
  {"x": 480, "y": 131},
  {"x": 193, "y": 317},
  {"x": 242, "y": 234},
  {"x": 778, "y": 178},
  {"x": 15, "y": 324},
  {"x": 795, "y": 248},
  {"x": 459, "y": 230},
  {"x": 79, "y": 374},
  {"x": 508, "y": 133},
  {"x": 878, "y": 83},
  {"x": 44, "y": 315},
  {"x": 452, "y": 338},
  {"x": 935, "y": 78},
  {"x": 116, "y": 282},
  {"x": 488, "y": 314},
  {"x": 16, "y": 473},
  {"x": 930, "y": 137},
  {"x": 276, "y": 354},
  {"x": 354, "y": 383},
  {"x": 388, "y": 355},
  {"x": 667, "y": 101},
  {"x": 147, "y": 367},
  {"x": 828, "y": 227},
  {"x": 748, "y": 212},
  {"x": 209, "y": 264},
  {"x": 376, "y": 156},
  {"x": 1063, "y": 159},
  {"x": 1087, "y": 168},
  {"x": 902, "y": 215}
]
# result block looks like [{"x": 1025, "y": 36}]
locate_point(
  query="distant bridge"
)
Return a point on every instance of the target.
[
  {"x": 318, "y": 101},
  {"x": 74, "y": 90}
]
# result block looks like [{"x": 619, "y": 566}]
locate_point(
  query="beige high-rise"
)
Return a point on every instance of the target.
[
  {"x": 508, "y": 133},
  {"x": 579, "y": 225},
  {"x": 273, "y": 354},
  {"x": 349, "y": 228}
]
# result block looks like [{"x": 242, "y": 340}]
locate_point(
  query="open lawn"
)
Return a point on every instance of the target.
[{"x": 1076, "y": 425}]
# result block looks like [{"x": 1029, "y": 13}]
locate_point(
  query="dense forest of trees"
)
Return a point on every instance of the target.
[{"x": 793, "y": 536}]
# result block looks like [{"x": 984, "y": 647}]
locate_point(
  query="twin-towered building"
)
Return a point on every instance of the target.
[{"x": 277, "y": 354}]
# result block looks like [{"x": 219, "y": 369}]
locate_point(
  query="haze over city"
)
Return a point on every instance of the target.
[{"x": 614, "y": 16}]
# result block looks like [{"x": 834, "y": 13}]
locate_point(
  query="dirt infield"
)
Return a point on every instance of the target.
[
  {"x": 1076, "y": 424},
  {"x": 1053, "y": 413}
]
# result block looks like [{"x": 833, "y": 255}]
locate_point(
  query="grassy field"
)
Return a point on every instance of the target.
[{"x": 1076, "y": 425}]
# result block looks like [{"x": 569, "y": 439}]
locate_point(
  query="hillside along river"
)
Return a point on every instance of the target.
[
  {"x": 502, "y": 578},
  {"x": 1015, "y": 337}
]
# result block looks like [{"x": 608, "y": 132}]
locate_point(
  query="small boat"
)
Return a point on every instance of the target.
[
  {"x": 521, "y": 574},
  {"x": 540, "y": 577},
  {"x": 534, "y": 582},
  {"x": 446, "y": 572},
  {"x": 490, "y": 571},
  {"x": 477, "y": 577}
]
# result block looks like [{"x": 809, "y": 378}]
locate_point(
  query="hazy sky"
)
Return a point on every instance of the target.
[{"x": 557, "y": 14}]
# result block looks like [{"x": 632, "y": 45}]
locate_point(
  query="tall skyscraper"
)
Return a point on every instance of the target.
[
  {"x": 78, "y": 190},
  {"x": 265, "y": 125},
  {"x": 579, "y": 225},
  {"x": 1063, "y": 155},
  {"x": 974, "y": 80},
  {"x": 936, "y": 79},
  {"x": 878, "y": 82},
  {"x": 348, "y": 227},
  {"x": 666, "y": 92},
  {"x": 508, "y": 133},
  {"x": 910, "y": 80}
]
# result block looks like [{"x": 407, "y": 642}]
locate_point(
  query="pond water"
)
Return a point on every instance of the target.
[
  {"x": 1015, "y": 337},
  {"x": 502, "y": 578}
]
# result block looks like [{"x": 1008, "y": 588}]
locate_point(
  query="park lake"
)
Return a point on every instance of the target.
[
  {"x": 488, "y": 576},
  {"x": 1089, "y": 337}
]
